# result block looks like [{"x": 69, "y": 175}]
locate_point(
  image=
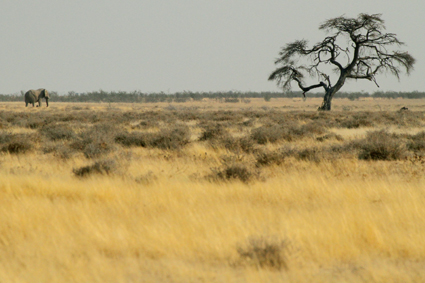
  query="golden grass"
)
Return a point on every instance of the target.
[{"x": 342, "y": 221}]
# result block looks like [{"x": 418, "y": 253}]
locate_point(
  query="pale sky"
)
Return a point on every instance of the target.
[{"x": 177, "y": 45}]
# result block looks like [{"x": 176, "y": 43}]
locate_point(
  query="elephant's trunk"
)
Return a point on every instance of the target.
[{"x": 47, "y": 102}]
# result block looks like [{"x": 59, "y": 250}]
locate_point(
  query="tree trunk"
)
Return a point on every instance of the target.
[{"x": 327, "y": 99}]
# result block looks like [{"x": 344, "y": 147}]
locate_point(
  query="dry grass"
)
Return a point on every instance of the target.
[{"x": 303, "y": 215}]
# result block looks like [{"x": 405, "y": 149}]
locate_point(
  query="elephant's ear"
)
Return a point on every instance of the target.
[{"x": 46, "y": 94}]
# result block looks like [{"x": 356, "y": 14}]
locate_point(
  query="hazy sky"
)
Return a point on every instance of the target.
[{"x": 176, "y": 45}]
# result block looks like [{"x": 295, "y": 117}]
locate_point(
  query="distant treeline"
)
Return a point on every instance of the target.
[{"x": 230, "y": 96}]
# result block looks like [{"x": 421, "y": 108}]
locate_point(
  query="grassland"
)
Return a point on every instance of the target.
[{"x": 213, "y": 192}]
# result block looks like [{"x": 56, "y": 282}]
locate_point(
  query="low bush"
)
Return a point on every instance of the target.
[
  {"x": 17, "y": 143},
  {"x": 174, "y": 138},
  {"x": 268, "y": 157},
  {"x": 288, "y": 132},
  {"x": 233, "y": 172},
  {"x": 95, "y": 141},
  {"x": 132, "y": 139},
  {"x": 212, "y": 132},
  {"x": 265, "y": 253},
  {"x": 330, "y": 136},
  {"x": 241, "y": 144},
  {"x": 57, "y": 132},
  {"x": 313, "y": 154},
  {"x": 233, "y": 168},
  {"x": 100, "y": 167},
  {"x": 381, "y": 145},
  {"x": 416, "y": 142},
  {"x": 356, "y": 122},
  {"x": 268, "y": 133},
  {"x": 36, "y": 123}
]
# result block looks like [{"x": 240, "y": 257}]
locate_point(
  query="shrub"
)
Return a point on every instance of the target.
[
  {"x": 330, "y": 136},
  {"x": 16, "y": 143},
  {"x": 242, "y": 144},
  {"x": 315, "y": 127},
  {"x": 213, "y": 131},
  {"x": 233, "y": 171},
  {"x": 100, "y": 167},
  {"x": 97, "y": 148},
  {"x": 132, "y": 139},
  {"x": 267, "y": 157},
  {"x": 265, "y": 253},
  {"x": 417, "y": 142},
  {"x": 288, "y": 132},
  {"x": 36, "y": 123},
  {"x": 95, "y": 141},
  {"x": 57, "y": 132},
  {"x": 356, "y": 122},
  {"x": 380, "y": 145},
  {"x": 310, "y": 154},
  {"x": 165, "y": 139},
  {"x": 171, "y": 138},
  {"x": 59, "y": 150},
  {"x": 265, "y": 134}
]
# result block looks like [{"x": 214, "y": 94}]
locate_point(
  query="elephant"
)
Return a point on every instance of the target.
[{"x": 32, "y": 96}]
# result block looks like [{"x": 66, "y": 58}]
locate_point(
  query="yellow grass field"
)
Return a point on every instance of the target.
[{"x": 158, "y": 217}]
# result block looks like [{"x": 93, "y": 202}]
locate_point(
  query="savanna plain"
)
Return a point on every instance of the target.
[{"x": 205, "y": 191}]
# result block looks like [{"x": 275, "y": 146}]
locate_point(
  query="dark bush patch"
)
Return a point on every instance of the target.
[
  {"x": 310, "y": 154},
  {"x": 242, "y": 144},
  {"x": 232, "y": 170},
  {"x": 380, "y": 145},
  {"x": 132, "y": 139},
  {"x": 95, "y": 141},
  {"x": 36, "y": 123},
  {"x": 100, "y": 167},
  {"x": 288, "y": 132},
  {"x": 416, "y": 142},
  {"x": 356, "y": 122},
  {"x": 329, "y": 137},
  {"x": 213, "y": 131},
  {"x": 235, "y": 171},
  {"x": 59, "y": 150},
  {"x": 97, "y": 148},
  {"x": 265, "y": 134},
  {"x": 265, "y": 253},
  {"x": 267, "y": 157},
  {"x": 17, "y": 146},
  {"x": 174, "y": 138},
  {"x": 57, "y": 132},
  {"x": 315, "y": 127},
  {"x": 16, "y": 143}
]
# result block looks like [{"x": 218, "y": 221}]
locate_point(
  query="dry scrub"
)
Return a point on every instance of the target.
[{"x": 173, "y": 194}]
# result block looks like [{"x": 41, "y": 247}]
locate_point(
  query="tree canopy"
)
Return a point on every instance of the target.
[{"x": 356, "y": 48}]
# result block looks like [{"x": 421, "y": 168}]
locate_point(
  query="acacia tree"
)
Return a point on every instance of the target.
[{"x": 367, "y": 51}]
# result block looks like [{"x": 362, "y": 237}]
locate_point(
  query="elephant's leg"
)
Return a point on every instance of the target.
[{"x": 26, "y": 104}]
